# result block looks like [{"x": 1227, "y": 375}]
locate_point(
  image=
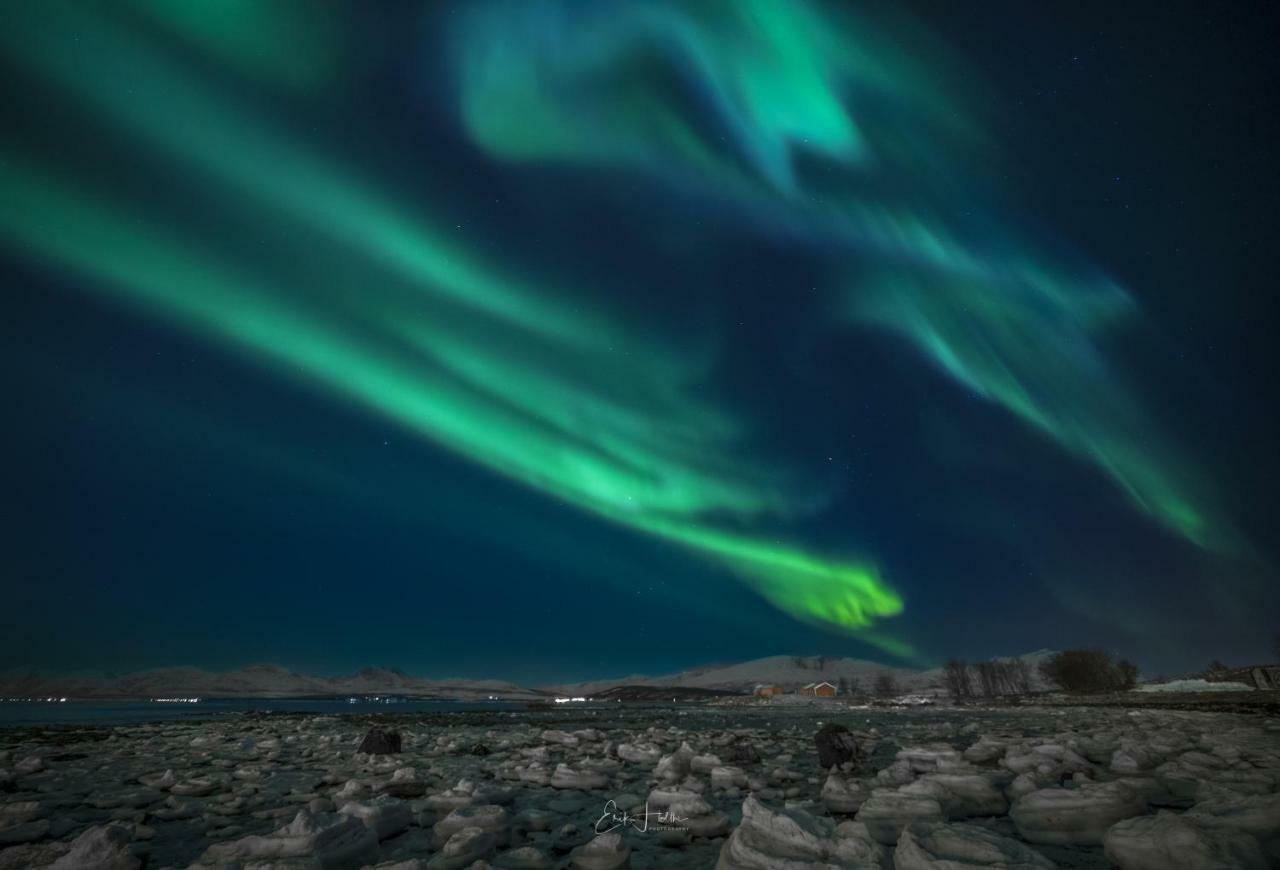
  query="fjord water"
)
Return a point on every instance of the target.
[{"x": 107, "y": 712}]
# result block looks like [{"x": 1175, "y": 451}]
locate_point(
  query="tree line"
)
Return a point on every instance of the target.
[{"x": 1074, "y": 670}]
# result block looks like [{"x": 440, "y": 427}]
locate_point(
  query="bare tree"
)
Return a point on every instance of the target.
[
  {"x": 987, "y": 678},
  {"x": 1128, "y": 673},
  {"x": 886, "y": 686},
  {"x": 1081, "y": 670},
  {"x": 854, "y": 685},
  {"x": 1021, "y": 677},
  {"x": 844, "y": 685},
  {"x": 956, "y": 676}
]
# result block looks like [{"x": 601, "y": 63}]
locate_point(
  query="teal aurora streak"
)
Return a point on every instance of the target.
[{"x": 787, "y": 114}]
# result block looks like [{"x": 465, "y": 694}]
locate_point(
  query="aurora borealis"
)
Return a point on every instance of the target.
[{"x": 615, "y": 289}]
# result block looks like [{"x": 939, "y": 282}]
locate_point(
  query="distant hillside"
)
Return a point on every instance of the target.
[
  {"x": 790, "y": 672},
  {"x": 255, "y": 681},
  {"x": 660, "y": 693},
  {"x": 271, "y": 681}
]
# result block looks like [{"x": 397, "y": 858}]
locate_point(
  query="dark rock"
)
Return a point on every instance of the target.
[
  {"x": 741, "y": 751},
  {"x": 837, "y": 747},
  {"x": 478, "y": 749},
  {"x": 68, "y": 756},
  {"x": 379, "y": 742},
  {"x": 567, "y": 838}
]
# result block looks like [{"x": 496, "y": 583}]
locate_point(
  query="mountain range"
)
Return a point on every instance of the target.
[
  {"x": 255, "y": 681},
  {"x": 271, "y": 681},
  {"x": 792, "y": 672}
]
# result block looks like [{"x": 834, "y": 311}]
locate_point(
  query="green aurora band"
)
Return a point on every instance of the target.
[
  {"x": 382, "y": 303},
  {"x": 740, "y": 99},
  {"x": 404, "y": 342}
]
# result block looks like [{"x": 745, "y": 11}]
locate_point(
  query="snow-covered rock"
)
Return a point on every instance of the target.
[
  {"x": 327, "y": 840},
  {"x": 491, "y": 818},
  {"x": 463, "y": 849},
  {"x": 728, "y": 777},
  {"x": 604, "y": 852},
  {"x": 1167, "y": 841},
  {"x": 580, "y": 778},
  {"x": 1258, "y": 815},
  {"x": 108, "y": 847},
  {"x": 792, "y": 839},
  {"x": 951, "y": 846},
  {"x": 887, "y": 812},
  {"x": 843, "y": 794},
  {"x": 385, "y": 816},
  {"x": 1079, "y": 816}
]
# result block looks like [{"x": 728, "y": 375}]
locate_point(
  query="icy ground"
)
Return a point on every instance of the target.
[{"x": 737, "y": 787}]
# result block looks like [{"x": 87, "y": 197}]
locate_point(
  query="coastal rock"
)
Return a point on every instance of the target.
[
  {"x": 1167, "y": 841},
  {"x": 837, "y": 747},
  {"x": 1075, "y": 816},
  {"x": 843, "y": 794},
  {"x": 568, "y": 777},
  {"x": 604, "y": 852},
  {"x": 792, "y": 839},
  {"x": 560, "y": 737},
  {"x": 108, "y": 847},
  {"x": 639, "y": 753},
  {"x": 1258, "y": 815},
  {"x": 704, "y": 763},
  {"x": 29, "y": 765},
  {"x": 886, "y": 813},
  {"x": 326, "y": 840},
  {"x": 493, "y": 819},
  {"x": 534, "y": 774},
  {"x": 963, "y": 795},
  {"x": 404, "y": 783},
  {"x": 929, "y": 759},
  {"x": 897, "y": 774},
  {"x": 379, "y": 742},
  {"x": 685, "y": 811},
  {"x": 741, "y": 751},
  {"x": 24, "y": 832},
  {"x": 676, "y": 766},
  {"x": 385, "y": 816},
  {"x": 984, "y": 751},
  {"x": 951, "y": 846},
  {"x": 524, "y": 858},
  {"x": 728, "y": 777},
  {"x": 196, "y": 786},
  {"x": 159, "y": 781},
  {"x": 463, "y": 849}
]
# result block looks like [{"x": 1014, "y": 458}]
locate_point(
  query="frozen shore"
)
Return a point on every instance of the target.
[{"x": 722, "y": 786}]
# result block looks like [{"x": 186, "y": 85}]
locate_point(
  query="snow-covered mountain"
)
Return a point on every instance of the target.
[
  {"x": 792, "y": 672},
  {"x": 272, "y": 681},
  {"x": 255, "y": 681}
]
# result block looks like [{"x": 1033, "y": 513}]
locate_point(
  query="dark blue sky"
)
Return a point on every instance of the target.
[{"x": 187, "y": 494}]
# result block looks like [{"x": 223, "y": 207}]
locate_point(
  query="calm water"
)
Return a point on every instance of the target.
[{"x": 115, "y": 712}]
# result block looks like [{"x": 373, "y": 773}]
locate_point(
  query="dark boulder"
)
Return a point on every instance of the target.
[
  {"x": 837, "y": 747},
  {"x": 379, "y": 742},
  {"x": 741, "y": 751}
]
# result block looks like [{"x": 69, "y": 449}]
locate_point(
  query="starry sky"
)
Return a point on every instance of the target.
[{"x": 547, "y": 340}]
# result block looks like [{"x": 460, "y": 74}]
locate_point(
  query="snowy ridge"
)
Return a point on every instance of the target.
[{"x": 792, "y": 672}]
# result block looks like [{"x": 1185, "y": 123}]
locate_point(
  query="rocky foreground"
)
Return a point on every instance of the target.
[{"x": 598, "y": 788}]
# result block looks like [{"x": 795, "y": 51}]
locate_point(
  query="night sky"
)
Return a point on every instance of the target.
[{"x": 554, "y": 340}]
